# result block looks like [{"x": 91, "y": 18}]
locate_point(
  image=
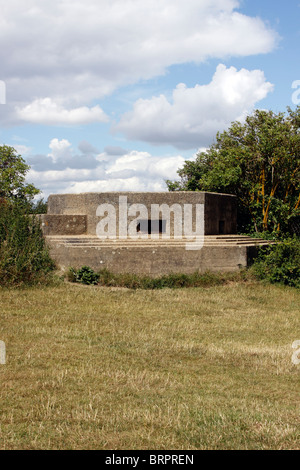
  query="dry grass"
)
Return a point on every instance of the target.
[{"x": 100, "y": 368}]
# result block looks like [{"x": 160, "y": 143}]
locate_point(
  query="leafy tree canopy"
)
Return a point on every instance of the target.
[
  {"x": 259, "y": 162},
  {"x": 13, "y": 170}
]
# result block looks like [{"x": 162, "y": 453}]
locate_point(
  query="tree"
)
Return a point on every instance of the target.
[
  {"x": 24, "y": 255},
  {"x": 13, "y": 170},
  {"x": 259, "y": 162}
]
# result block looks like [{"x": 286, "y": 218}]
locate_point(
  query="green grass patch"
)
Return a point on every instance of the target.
[{"x": 109, "y": 368}]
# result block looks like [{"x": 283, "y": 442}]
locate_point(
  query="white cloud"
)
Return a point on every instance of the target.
[
  {"x": 60, "y": 149},
  {"x": 46, "y": 111},
  {"x": 196, "y": 114},
  {"x": 140, "y": 171},
  {"x": 117, "y": 184},
  {"x": 22, "y": 149},
  {"x": 146, "y": 165},
  {"x": 58, "y": 56}
]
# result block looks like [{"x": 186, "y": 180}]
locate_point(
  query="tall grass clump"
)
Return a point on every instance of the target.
[
  {"x": 24, "y": 256},
  {"x": 104, "y": 277}
]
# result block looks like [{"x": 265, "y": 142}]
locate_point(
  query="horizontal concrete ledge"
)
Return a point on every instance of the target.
[{"x": 88, "y": 241}]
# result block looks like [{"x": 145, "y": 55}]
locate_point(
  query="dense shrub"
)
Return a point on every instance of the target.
[
  {"x": 24, "y": 256},
  {"x": 280, "y": 263},
  {"x": 84, "y": 275},
  {"x": 38, "y": 207}
]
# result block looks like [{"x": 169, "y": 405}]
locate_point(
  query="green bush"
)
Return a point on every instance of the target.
[
  {"x": 84, "y": 275},
  {"x": 280, "y": 263},
  {"x": 24, "y": 256}
]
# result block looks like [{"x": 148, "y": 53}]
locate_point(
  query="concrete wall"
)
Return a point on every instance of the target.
[
  {"x": 64, "y": 224},
  {"x": 220, "y": 214},
  {"x": 153, "y": 261},
  {"x": 70, "y": 229},
  {"x": 219, "y": 209}
]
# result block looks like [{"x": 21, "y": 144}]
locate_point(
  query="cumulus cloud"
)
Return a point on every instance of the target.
[
  {"x": 146, "y": 166},
  {"x": 60, "y": 55},
  {"x": 46, "y": 111},
  {"x": 117, "y": 184},
  {"x": 196, "y": 114},
  {"x": 22, "y": 149},
  {"x": 114, "y": 150},
  {"x": 64, "y": 170},
  {"x": 86, "y": 148},
  {"x": 63, "y": 157}
]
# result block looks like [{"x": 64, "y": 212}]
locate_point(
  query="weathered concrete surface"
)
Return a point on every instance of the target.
[
  {"x": 220, "y": 214},
  {"x": 219, "y": 209},
  {"x": 70, "y": 229},
  {"x": 63, "y": 224},
  {"x": 222, "y": 253}
]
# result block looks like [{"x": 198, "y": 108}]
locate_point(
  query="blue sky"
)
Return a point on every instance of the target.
[{"x": 113, "y": 95}]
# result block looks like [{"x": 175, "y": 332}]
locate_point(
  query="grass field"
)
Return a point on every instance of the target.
[{"x": 105, "y": 368}]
